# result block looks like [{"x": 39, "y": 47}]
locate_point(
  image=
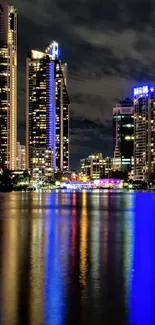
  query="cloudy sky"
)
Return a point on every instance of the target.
[{"x": 109, "y": 47}]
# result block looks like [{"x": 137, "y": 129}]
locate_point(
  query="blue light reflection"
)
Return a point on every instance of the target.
[
  {"x": 57, "y": 253},
  {"x": 53, "y": 291},
  {"x": 143, "y": 282}
]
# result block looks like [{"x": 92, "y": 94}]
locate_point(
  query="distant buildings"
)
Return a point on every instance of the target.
[
  {"x": 47, "y": 114},
  {"x": 21, "y": 157},
  {"x": 123, "y": 135},
  {"x": 108, "y": 166},
  {"x": 95, "y": 166},
  {"x": 8, "y": 86},
  {"x": 144, "y": 132}
]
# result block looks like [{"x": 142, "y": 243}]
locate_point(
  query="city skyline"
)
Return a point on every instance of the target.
[
  {"x": 100, "y": 71},
  {"x": 77, "y": 162},
  {"x": 82, "y": 141}
]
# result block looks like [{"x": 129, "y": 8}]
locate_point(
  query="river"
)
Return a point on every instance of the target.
[{"x": 71, "y": 258}]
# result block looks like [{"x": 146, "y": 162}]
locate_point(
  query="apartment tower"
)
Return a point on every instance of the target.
[
  {"x": 144, "y": 132},
  {"x": 47, "y": 122},
  {"x": 8, "y": 86}
]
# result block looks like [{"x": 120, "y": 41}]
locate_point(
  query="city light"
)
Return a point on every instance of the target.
[
  {"x": 37, "y": 55},
  {"x": 53, "y": 50},
  {"x": 141, "y": 90},
  {"x": 144, "y": 90}
]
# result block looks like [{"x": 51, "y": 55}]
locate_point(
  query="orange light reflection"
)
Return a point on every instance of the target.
[{"x": 83, "y": 241}]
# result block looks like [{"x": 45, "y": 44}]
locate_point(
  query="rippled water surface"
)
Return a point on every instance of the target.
[{"x": 77, "y": 258}]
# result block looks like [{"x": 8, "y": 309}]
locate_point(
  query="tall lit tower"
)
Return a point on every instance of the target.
[
  {"x": 8, "y": 86},
  {"x": 123, "y": 135},
  {"x": 47, "y": 127},
  {"x": 144, "y": 132}
]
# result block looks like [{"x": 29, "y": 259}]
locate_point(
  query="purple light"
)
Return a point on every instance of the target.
[{"x": 110, "y": 180}]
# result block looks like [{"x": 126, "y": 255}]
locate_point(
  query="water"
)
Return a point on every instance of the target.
[{"x": 77, "y": 258}]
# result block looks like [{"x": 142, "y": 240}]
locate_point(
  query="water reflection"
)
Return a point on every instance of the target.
[
  {"x": 10, "y": 267},
  {"x": 37, "y": 260},
  {"x": 83, "y": 241},
  {"x": 95, "y": 240},
  {"x": 129, "y": 244},
  {"x": 73, "y": 232},
  {"x": 143, "y": 284},
  {"x": 53, "y": 276},
  {"x": 77, "y": 258}
]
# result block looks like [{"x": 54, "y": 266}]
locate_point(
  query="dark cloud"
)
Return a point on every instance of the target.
[
  {"x": 109, "y": 47},
  {"x": 82, "y": 142}
]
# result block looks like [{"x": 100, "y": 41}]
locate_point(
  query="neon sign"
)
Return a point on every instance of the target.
[
  {"x": 53, "y": 50},
  {"x": 144, "y": 90}
]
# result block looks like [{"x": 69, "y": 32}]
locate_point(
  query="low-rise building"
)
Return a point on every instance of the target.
[
  {"x": 95, "y": 166},
  {"x": 42, "y": 163}
]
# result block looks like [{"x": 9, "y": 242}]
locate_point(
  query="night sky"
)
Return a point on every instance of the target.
[{"x": 109, "y": 47}]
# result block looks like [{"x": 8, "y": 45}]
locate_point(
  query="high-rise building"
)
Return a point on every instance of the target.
[
  {"x": 21, "y": 157},
  {"x": 47, "y": 130},
  {"x": 123, "y": 135},
  {"x": 8, "y": 86},
  {"x": 144, "y": 132}
]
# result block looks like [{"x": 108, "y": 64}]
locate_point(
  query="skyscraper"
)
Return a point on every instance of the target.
[
  {"x": 144, "y": 132},
  {"x": 47, "y": 131},
  {"x": 123, "y": 135},
  {"x": 8, "y": 86}
]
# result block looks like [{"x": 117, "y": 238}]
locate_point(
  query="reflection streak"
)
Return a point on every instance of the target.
[
  {"x": 53, "y": 280},
  {"x": 10, "y": 268},
  {"x": 37, "y": 270},
  {"x": 95, "y": 232},
  {"x": 83, "y": 242}
]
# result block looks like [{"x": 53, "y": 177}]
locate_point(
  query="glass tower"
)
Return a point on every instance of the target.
[
  {"x": 8, "y": 86},
  {"x": 123, "y": 135},
  {"x": 47, "y": 131}
]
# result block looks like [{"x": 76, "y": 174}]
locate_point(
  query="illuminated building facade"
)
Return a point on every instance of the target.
[
  {"x": 144, "y": 132},
  {"x": 95, "y": 166},
  {"x": 21, "y": 157},
  {"x": 62, "y": 117},
  {"x": 108, "y": 165},
  {"x": 8, "y": 86},
  {"x": 47, "y": 124},
  {"x": 123, "y": 135}
]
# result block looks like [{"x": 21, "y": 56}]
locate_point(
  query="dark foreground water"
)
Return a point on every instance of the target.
[{"x": 77, "y": 258}]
